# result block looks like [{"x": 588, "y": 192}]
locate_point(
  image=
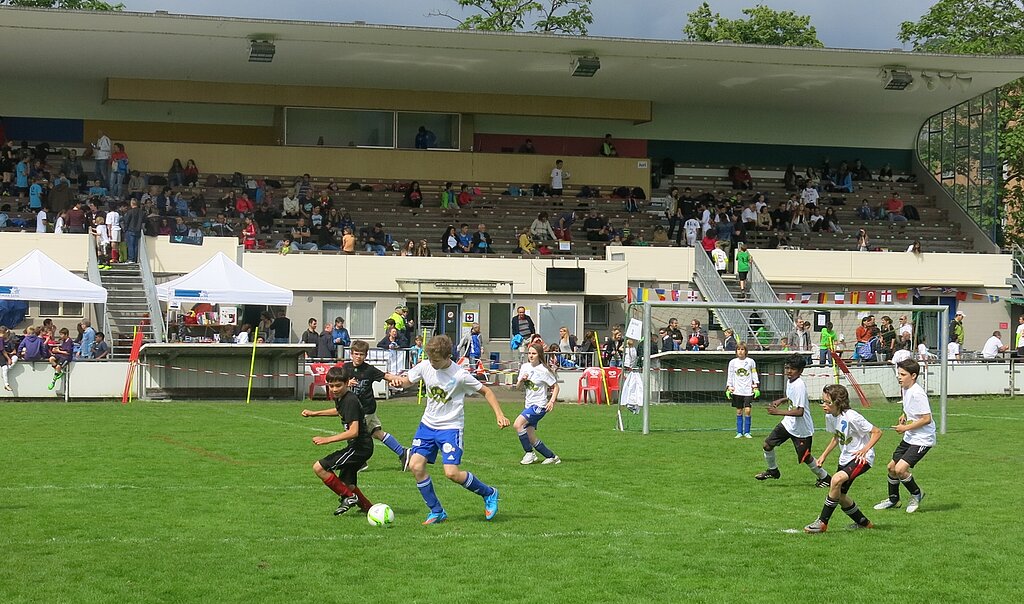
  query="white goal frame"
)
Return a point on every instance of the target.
[{"x": 648, "y": 330}]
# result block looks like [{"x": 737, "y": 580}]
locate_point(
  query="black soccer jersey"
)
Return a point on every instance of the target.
[
  {"x": 366, "y": 374},
  {"x": 350, "y": 410}
]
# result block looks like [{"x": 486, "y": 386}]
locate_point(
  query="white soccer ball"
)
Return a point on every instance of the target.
[{"x": 380, "y": 514}]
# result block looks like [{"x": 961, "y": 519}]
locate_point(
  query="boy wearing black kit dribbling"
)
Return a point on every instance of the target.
[{"x": 346, "y": 462}]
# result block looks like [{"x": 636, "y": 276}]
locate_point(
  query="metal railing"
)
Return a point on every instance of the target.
[
  {"x": 779, "y": 321},
  {"x": 93, "y": 272},
  {"x": 714, "y": 289},
  {"x": 156, "y": 317}
]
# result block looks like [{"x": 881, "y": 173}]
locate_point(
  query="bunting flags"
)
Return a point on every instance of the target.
[
  {"x": 887, "y": 296},
  {"x": 790, "y": 297},
  {"x": 675, "y": 295},
  {"x": 646, "y": 294},
  {"x": 805, "y": 298},
  {"x": 693, "y": 296},
  {"x": 961, "y": 296},
  {"x": 901, "y": 294},
  {"x": 854, "y": 297},
  {"x": 823, "y": 298},
  {"x": 840, "y": 297},
  {"x": 871, "y": 297},
  {"x": 661, "y": 294}
]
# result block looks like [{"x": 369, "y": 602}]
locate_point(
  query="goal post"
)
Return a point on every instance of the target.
[{"x": 672, "y": 379}]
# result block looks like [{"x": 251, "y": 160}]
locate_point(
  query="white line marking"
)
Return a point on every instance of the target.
[{"x": 1016, "y": 419}]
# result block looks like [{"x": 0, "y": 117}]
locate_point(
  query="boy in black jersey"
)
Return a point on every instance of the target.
[
  {"x": 346, "y": 462},
  {"x": 363, "y": 377}
]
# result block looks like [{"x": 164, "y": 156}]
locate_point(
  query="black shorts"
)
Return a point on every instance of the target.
[
  {"x": 853, "y": 470},
  {"x": 740, "y": 401},
  {"x": 346, "y": 462},
  {"x": 909, "y": 453},
  {"x": 802, "y": 444},
  {"x": 742, "y": 275}
]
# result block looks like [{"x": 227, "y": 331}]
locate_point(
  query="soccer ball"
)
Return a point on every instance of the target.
[
  {"x": 694, "y": 341},
  {"x": 380, "y": 514}
]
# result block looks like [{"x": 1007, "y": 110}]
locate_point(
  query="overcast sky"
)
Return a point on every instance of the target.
[{"x": 871, "y": 24}]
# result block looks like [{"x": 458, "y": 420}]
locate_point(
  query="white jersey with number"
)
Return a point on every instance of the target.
[
  {"x": 539, "y": 380},
  {"x": 916, "y": 405},
  {"x": 742, "y": 376},
  {"x": 803, "y": 426},
  {"x": 446, "y": 390},
  {"x": 853, "y": 433}
]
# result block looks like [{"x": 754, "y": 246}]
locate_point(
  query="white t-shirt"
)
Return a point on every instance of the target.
[
  {"x": 721, "y": 259},
  {"x": 446, "y": 390},
  {"x": 809, "y": 196},
  {"x": 691, "y": 226},
  {"x": 114, "y": 224},
  {"x": 742, "y": 376},
  {"x": 41, "y": 221},
  {"x": 538, "y": 380},
  {"x": 58, "y": 227},
  {"x": 803, "y": 426},
  {"x": 991, "y": 348},
  {"x": 629, "y": 357},
  {"x": 953, "y": 350},
  {"x": 242, "y": 337},
  {"x": 901, "y": 355},
  {"x": 853, "y": 433},
  {"x": 922, "y": 352},
  {"x": 748, "y": 215},
  {"x": 556, "y": 178},
  {"x": 915, "y": 405},
  {"x": 102, "y": 148}
]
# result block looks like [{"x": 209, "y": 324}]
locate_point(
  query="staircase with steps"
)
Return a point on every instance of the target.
[{"x": 127, "y": 307}]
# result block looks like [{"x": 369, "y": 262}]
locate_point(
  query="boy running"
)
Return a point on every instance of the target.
[
  {"x": 346, "y": 462},
  {"x": 918, "y": 430},
  {"x": 536, "y": 379},
  {"x": 796, "y": 425},
  {"x": 446, "y": 385},
  {"x": 741, "y": 387},
  {"x": 856, "y": 438},
  {"x": 363, "y": 377}
]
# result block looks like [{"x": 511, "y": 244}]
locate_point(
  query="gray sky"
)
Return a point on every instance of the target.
[{"x": 871, "y": 24}]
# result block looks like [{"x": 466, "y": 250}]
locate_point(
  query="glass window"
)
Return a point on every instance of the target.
[
  {"x": 339, "y": 127},
  {"x": 358, "y": 317},
  {"x": 72, "y": 309},
  {"x": 440, "y": 130},
  {"x": 595, "y": 313},
  {"x": 499, "y": 320},
  {"x": 49, "y": 309}
]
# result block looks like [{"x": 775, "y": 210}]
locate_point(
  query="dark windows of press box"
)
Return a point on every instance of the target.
[{"x": 566, "y": 279}]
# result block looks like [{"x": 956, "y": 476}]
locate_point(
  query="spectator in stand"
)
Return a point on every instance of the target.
[
  {"x": 85, "y": 347},
  {"x": 843, "y": 182},
  {"x": 915, "y": 247},
  {"x": 348, "y": 240},
  {"x": 302, "y": 237},
  {"x": 326, "y": 238},
  {"x": 377, "y": 240},
  {"x": 249, "y": 232},
  {"x": 562, "y": 231},
  {"x": 885, "y": 173},
  {"x": 118, "y": 170},
  {"x": 894, "y": 208},
  {"x": 527, "y": 147},
  {"x": 448, "y": 197},
  {"x": 100, "y": 348},
  {"x": 481, "y": 240},
  {"x": 450, "y": 241},
  {"x": 558, "y": 178},
  {"x": 132, "y": 223},
  {"x": 525, "y": 243},
  {"x": 180, "y": 230},
  {"x": 764, "y": 219},
  {"x": 541, "y": 229},
  {"x": 863, "y": 244},
  {"x": 741, "y": 178},
  {"x": 789, "y": 179},
  {"x": 191, "y": 173},
  {"x": 220, "y": 227},
  {"x": 831, "y": 221},
  {"x": 290, "y": 205},
  {"x": 522, "y": 324},
  {"x": 425, "y": 139},
  {"x": 423, "y": 250},
  {"x": 864, "y": 211},
  {"x": 607, "y": 148},
  {"x": 244, "y": 205},
  {"x": 310, "y": 336},
  {"x": 75, "y": 219},
  {"x": 593, "y": 225},
  {"x": 464, "y": 198},
  {"x": 809, "y": 196},
  {"x": 176, "y": 174},
  {"x": 409, "y": 249},
  {"x": 136, "y": 184},
  {"x": 698, "y": 332},
  {"x": 71, "y": 166},
  {"x": 465, "y": 238},
  {"x": 749, "y": 217},
  {"x": 860, "y": 171},
  {"x": 325, "y": 347},
  {"x": 341, "y": 336},
  {"x": 101, "y": 153},
  {"x": 281, "y": 328},
  {"x": 41, "y": 222},
  {"x": 413, "y": 196}
]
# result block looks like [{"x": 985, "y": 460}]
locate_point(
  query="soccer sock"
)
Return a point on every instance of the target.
[
  {"x": 477, "y": 486},
  {"x": 746, "y": 424},
  {"x": 827, "y": 509},
  {"x": 335, "y": 484},
  {"x": 894, "y": 489},
  {"x": 3, "y": 370},
  {"x": 543, "y": 449},
  {"x": 817, "y": 470},
  {"x": 739, "y": 424},
  {"x": 858, "y": 516},
  {"x": 911, "y": 485},
  {"x": 524, "y": 439},
  {"x": 426, "y": 487},
  {"x": 392, "y": 443},
  {"x": 769, "y": 456},
  {"x": 364, "y": 503}
]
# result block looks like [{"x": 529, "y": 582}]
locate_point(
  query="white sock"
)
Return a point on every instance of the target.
[
  {"x": 769, "y": 456},
  {"x": 818, "y": 471}
]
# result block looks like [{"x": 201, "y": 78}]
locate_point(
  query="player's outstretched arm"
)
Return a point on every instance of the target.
[
  {"x": 553, "y": 399},
  {"x": 493, "y": 402},
  {"x": 400, "y": 381},
  {"x": 876, "y": 434},
  {"x": 322, "y": 413},
  {"x": 351, "y": 432}
]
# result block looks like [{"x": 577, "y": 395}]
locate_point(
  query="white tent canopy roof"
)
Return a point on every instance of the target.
[
  {"x": 222, "y": 281},
  {"x": 37, "y": 277}
]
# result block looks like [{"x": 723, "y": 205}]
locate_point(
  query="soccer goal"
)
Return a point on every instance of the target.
[{"x": 675, "y": 371}]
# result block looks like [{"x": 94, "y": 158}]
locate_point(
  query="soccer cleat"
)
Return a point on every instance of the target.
[
  {"x": 7, "y": 387},
  {"x": 405, "y": 460},
  {"x": 824, "y": 483},
  {"x": 816, "y": 527},
  {"x": 857, "y": 527},
  {"x": 491, "y": 505},
  {"x": 52, "y": 384},
  {"x": 747, "y": 435},
  {"x": 363, "y": 467},
  {"x": 345, "y": 504},
  {"x": 769, "y": 473},
  {"x": 886, "y": 504},
  {"x": 914, "y": 503},
  {"x": 551, "y": 460},
  {"x": 528, "y": 459},
  {"x": 435, "y": 518},
  {"x": 739, "y": 435}
]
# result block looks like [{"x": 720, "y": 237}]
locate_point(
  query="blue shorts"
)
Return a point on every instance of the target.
[
  {"x": 428, "y": 441},
  {"x": 533, "y": 415}
]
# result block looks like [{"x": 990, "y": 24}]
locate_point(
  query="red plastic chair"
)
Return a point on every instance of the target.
[
  {"x": 613, "y": 375},
  {"x": 590, "y": 381},
  {"x": 319, "y": 371}
]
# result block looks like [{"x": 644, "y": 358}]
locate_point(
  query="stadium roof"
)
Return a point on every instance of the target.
[{"x": 42, "y": 43}]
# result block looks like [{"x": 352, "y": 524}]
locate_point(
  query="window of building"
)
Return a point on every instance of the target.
[
  {"x": 499, "y": 319},
  {"x": 359, "y": 317},
  {"x": 595, "y": 314},
  {"x": 339, "y": 127},
  {"x": 443, "y": 126},
  {"x": 61, "y": 309}
]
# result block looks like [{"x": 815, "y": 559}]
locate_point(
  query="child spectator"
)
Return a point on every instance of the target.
[
  {"x": 8, "y": 354},
  {"x": 33, "y": 346},
  {"x": 60, "y": 356},
  {"x": 100, "y": 348},
  {"x": 464, "y": 198}
]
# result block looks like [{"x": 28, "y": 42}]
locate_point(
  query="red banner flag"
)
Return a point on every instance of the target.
[{"x": 871, "y": 296}]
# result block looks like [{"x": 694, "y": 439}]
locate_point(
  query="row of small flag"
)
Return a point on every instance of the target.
[
  {"x": 884, "y": 296},
  {"x": 650, "y": 294}
]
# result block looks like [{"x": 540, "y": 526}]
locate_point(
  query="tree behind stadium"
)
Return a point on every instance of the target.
[
  {"x": 763, "y": 26},
  {"x": 64, "y": 4}
]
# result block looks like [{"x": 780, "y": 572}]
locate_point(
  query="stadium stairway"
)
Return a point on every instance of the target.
[{"x": 127, "y": 307}]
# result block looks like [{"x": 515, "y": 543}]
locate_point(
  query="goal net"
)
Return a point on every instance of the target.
[{"x": 683, "y": 351}]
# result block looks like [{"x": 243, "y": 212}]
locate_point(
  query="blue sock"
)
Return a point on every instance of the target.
[
  {"x": 427, "y": 491},
  {"x": 746, "y": 424},
  {"x": 525, "y": 440},
  {"x": 392, "y": 443},
  {"x": 739, "y": 424},
  {"x": 477, "y": 486},
  {"x": 543, "y": 449}
]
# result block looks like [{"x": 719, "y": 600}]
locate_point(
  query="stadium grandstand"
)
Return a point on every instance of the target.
[{"x": 306, "y": 140}]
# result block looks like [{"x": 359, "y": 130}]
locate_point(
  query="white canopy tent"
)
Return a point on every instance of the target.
[
  {"x": 37, "y": 277},
  {"x": 222, "y": 281}
]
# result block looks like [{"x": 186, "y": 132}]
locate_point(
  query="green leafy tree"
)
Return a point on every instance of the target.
[
  {"x": 985, "y": 27},
  {"x": 550, "y": 16},
  {"x": 64, "y": 4},
  {"x": 762, "y": 26}
]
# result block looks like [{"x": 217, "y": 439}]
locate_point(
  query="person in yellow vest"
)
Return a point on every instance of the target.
[{"x": 399, "y": 317}]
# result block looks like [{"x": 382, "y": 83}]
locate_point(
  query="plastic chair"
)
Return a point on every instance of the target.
[
  {"x": 590, "y": 381},
  {"x": 613, "y": 375},
  {"x": 319, "y": 371}
]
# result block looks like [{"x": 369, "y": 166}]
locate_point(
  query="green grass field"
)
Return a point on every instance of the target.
[{"x": 216, "y": 502}]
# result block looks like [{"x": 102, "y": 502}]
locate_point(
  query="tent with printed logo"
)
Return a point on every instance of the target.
[
  {"x": 37, "y": 277},
  {"x": 221, "y": 281}
]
